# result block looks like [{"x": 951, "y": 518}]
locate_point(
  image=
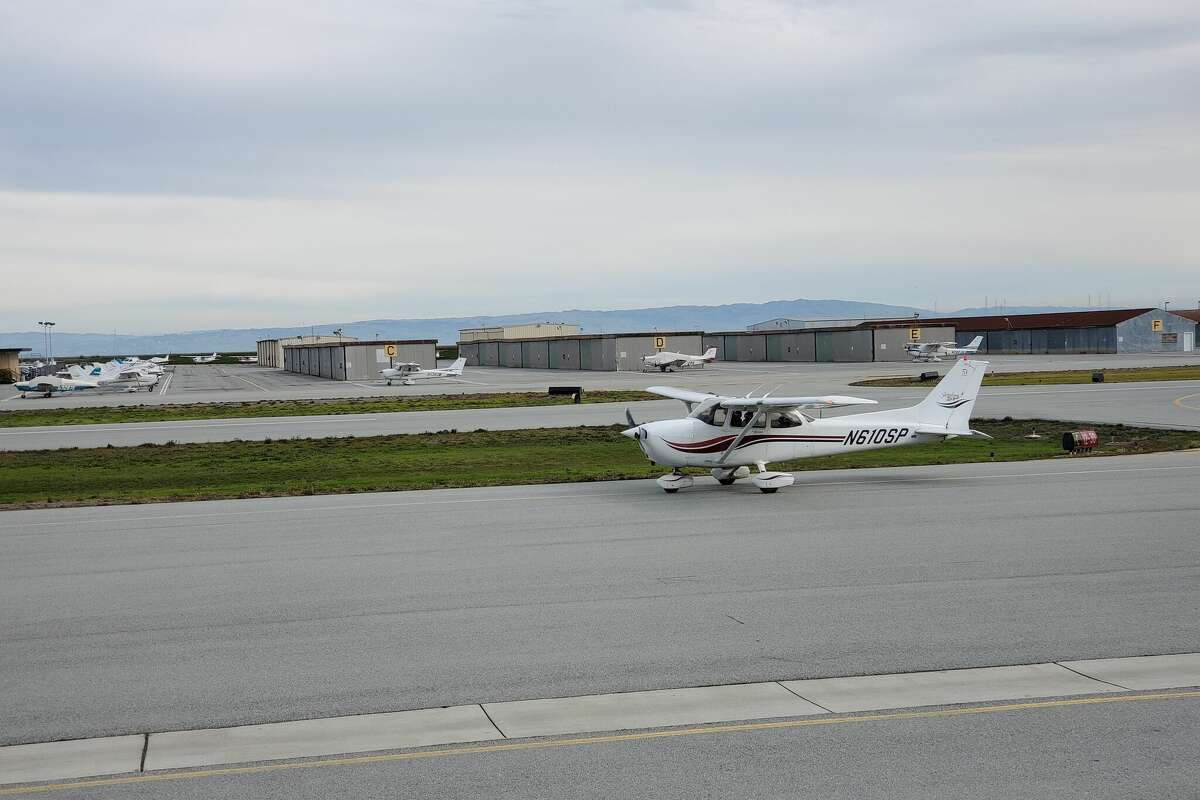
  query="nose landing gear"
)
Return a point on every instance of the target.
[{"x": 674, "y": 482}]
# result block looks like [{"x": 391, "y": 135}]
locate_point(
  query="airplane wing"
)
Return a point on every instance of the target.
[
  {"x": 823, "y": 401},
  {"x": 686, "y": 395}
]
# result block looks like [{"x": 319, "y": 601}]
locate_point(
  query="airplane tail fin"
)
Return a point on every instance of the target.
[
  {"x": 457, "y": 367},
  {"x": 975, "y": 344},
  {"x": 951, "y": 402},
  {"x": 710, "y": 354}
]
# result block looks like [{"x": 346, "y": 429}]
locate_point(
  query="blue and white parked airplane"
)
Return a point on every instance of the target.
[
  {"x": 48, "y": 385},
  {"x": 728, "y": 435}
]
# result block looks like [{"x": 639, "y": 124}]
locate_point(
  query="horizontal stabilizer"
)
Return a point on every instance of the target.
[{"x": 936, "y": 430}]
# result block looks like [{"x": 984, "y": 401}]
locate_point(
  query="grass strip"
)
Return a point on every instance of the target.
[
  {"x": 1122, "y": 375},
  {"x": 157, "y": 473},
  {"x": 101, "y": 415}
]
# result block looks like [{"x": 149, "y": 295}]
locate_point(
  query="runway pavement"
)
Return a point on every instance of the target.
[
  {"x": 165, "y": 617},
  {"x": 1174, "y": 404}
]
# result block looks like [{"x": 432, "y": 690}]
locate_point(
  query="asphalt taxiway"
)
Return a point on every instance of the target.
[
  {"x": 221, "y": 383},
  {"x": 1171, "y": 404},
  {"x": 1138, "y": 748},
  {"x": 166, "y": 617}
]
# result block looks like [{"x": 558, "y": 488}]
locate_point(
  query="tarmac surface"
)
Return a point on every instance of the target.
[
  {"x": 1112, "y": 750},
  {"x": 1172, "y": 404},
  {"x": 219, "y": 383},
  {"x": 166, "y": 617}
]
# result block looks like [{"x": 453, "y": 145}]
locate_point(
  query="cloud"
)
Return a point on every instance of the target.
[{"x": 377, "y": 159}]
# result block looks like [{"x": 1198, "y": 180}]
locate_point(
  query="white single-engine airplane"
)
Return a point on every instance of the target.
[
  {"x": 411, "y": 371},
  {"x": 205, "y": 359},
  {"x": 728, "y": 435},
  {"x": 667, "y": 361},
  {"x": 48, "y": 385},
  {"x": 933, "y": 351}
]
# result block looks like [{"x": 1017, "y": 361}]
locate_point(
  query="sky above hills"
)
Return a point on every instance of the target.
[{"x": 196, "y": 165}]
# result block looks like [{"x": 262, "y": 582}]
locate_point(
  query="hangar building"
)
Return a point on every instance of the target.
[
  {"x": 1131, "y": 330},
  {"x": 531, "y": 330},
  {"x": 867, "y": 341},
  {"x": 356, "y": 361},
  {"x": 1192, "y": 316},
  {"x": 270, "y": 351},
  {"x": 597, "y": 351},
  {"x": 10, "y": 363}
]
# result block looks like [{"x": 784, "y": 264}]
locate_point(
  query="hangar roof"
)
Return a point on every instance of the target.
[
  {"x": 1193, "y": 314},
  {"x": 361, "y": 343},
  {"x": 1063, "y": 319},
  {"x": 641, "y": 335}
]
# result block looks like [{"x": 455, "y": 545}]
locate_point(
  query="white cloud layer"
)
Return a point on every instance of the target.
[{"x": 188, "y": 165}]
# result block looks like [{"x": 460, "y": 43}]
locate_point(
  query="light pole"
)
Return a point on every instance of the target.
[{"x": 48, "y": 340}]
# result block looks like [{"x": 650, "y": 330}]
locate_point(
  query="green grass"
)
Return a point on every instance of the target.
[
  {"x": 85, "y": 415},
  {"x": 1122, "y": 375},
  {"x": 156, "y": 473}
]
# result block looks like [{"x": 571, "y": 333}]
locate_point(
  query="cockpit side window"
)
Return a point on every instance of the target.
[{"x": 786, "y": 419}]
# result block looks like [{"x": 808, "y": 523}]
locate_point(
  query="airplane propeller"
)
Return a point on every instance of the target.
[{"x": 629, "y": 418}]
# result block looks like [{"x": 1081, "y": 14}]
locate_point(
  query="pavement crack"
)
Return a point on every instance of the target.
[
  {"x": 735, "y": 619},
  {"x": 145, "y": 750},
  {"x": 494, "y": 725},
  {"x": 802, "y": 697},
  {"x": 1093, "y": 678}
]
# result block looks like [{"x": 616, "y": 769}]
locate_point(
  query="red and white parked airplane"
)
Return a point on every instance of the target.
[{"x": 728, "y": 435}]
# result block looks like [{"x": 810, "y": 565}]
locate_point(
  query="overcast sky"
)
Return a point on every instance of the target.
[{"x": 171, "y": 166}]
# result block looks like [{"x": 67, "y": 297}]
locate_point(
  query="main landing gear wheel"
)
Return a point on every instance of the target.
[{"x": 727, "y": 477}]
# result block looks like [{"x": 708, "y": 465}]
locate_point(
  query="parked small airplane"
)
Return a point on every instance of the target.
[
  {"x": 161, "y": 359},
  {"x": 667, "y": 361},
  {"x": 115, "y": 375},
  {"x": 205, "y": 359},
  {"x": 728, "y": 435},
  {"x": 411, "y": 371},
  {"x": 48, "y": 385},
  {"x": 933, "y": 351}
]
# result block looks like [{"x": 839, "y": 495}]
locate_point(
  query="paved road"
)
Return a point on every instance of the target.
[
  {"x": 1119, "y": 750},
  {"x": 219, "y": 383},
  {"x": 1167, "y": 404},
  {"x": 132, "y": 618}
]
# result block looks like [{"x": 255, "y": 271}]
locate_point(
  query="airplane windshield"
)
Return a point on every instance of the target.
[{"x": 713, "y": 416}]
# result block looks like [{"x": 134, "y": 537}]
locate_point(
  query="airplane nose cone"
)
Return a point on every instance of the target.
[{"x": 631, "y": 433}]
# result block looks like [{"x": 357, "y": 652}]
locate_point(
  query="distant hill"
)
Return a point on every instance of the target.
[{"x": 735, "y": 316}]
